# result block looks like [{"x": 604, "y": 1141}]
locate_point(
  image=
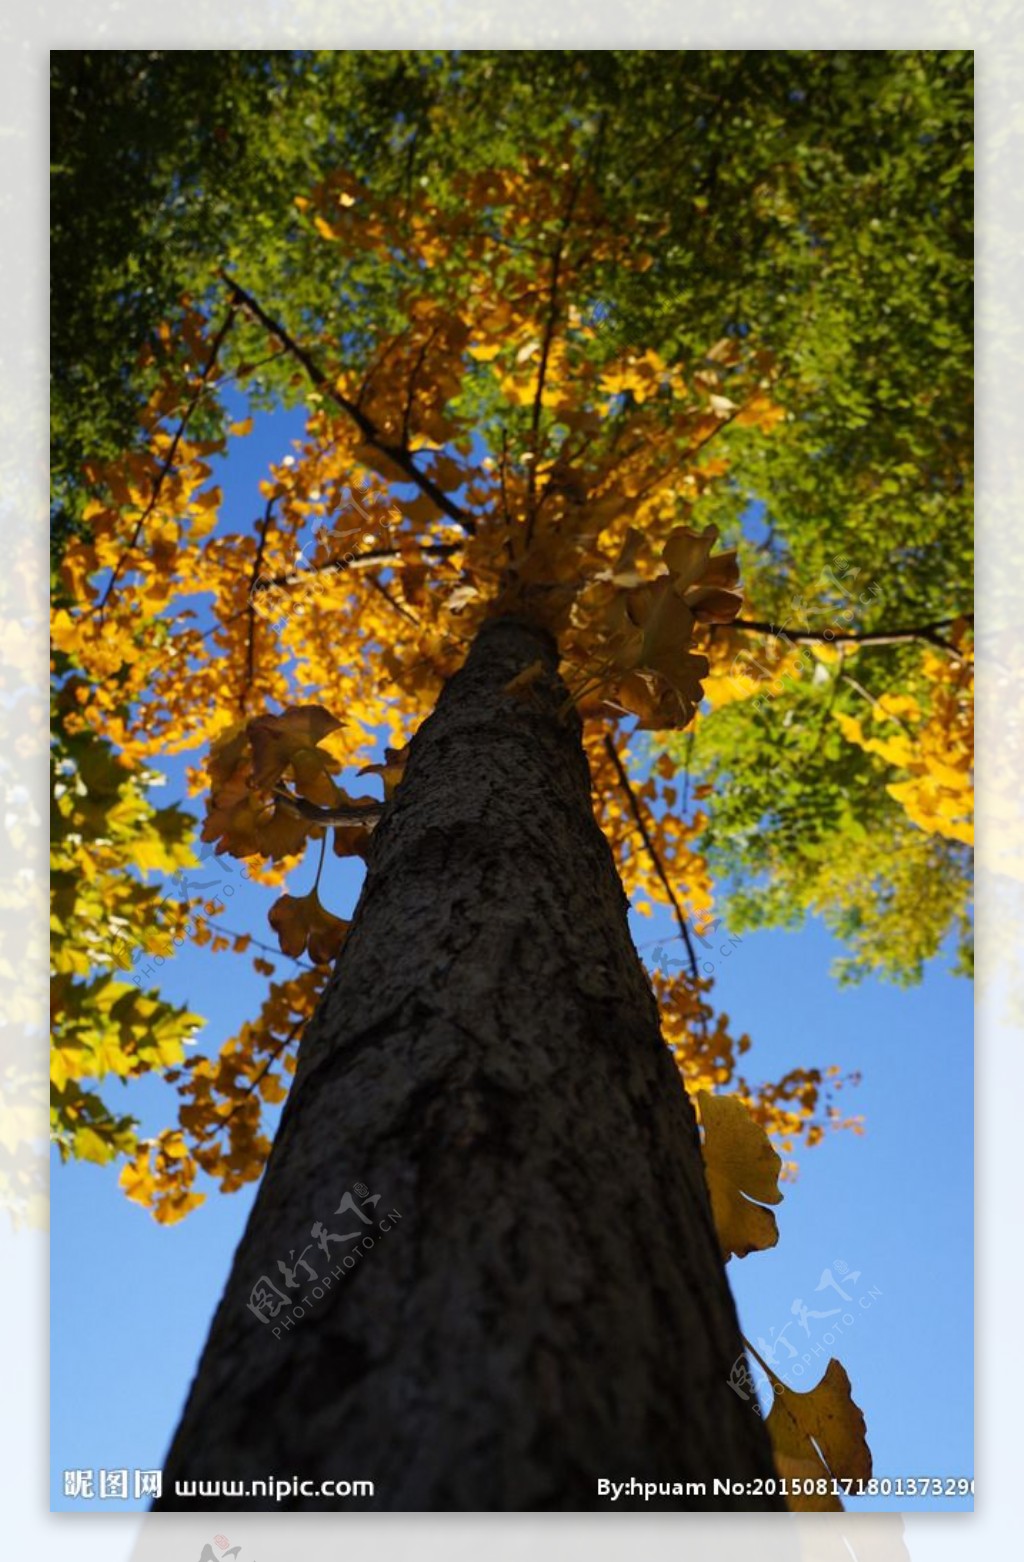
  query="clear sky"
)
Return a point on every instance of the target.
[{"x": 887, "y": 1214}]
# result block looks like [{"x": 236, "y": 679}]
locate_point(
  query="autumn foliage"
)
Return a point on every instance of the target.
[
  {"x": 488, "y": 447},
  {"x": 495, "y": 456}
]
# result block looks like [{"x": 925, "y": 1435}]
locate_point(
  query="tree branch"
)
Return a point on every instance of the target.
[
  {"x": 864, "y": 637},
  {"x": 340, "y": 562},
  {"x": 652, "y": 850},
  {"x": 397, "y": 454},
  {"x": 399, "y": 607},
  {"x": 545, "y": 351},
  {"x": 251, "y": 633}
]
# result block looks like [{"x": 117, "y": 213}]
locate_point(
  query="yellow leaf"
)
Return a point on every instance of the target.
[
  {"x": 64, "y": 631},
  {"x": 106, "y": 1056},
  {"x": 272, "y": 1089},
  {"x": 740, "y": 1166},
  {"x": 390, "y": 772},
  {"x": 850, "y": 727},
  {"x": 65, "y": 1064},
  {"x": 897, "y": 705},
  {"x": 136, "y": 1178},
  {"x": 828, "y": 1415},
  {"x": 90, "y": 1147},
  {"x": 169, "y": 1211}
]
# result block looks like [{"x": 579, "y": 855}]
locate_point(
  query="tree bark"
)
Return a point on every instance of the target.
[{"x": 550, "y": 1307}]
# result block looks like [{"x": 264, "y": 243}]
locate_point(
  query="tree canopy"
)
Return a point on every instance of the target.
[
  {"x": 551, "y": 317},
  {"x": 591, "y": 337}
]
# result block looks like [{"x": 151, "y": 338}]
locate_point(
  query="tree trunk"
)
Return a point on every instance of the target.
[{"x": 546, "y": 1306}]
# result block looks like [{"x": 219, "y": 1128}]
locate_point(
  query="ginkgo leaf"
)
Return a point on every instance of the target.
[
  {"x": 91, "y": 1146},
  {"x": 741, "y": 1166},
  {"x": 707, "y": 582},
  {"x": 624, "y": 570},
  {"x": 390, "y": 770},
  {"x": 302, "y": 923},
  {"x": 272, "y": 1089},
  {"x": 667, "y": 625},
  {"x": 421, "y": 510},
  {"x": 244, "y": 824},
  {"x": 209, "y": 500},
  {"x": 168, "y": 1211},
  {"x": 448, "y": 474},
  {"x": 291, "y": 740},
  {"x": 652, "y": 632},
  {"x": 818, "y": 1433}
]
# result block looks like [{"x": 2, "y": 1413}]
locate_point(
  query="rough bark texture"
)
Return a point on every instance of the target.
[{"x": 551, "y": 1307}]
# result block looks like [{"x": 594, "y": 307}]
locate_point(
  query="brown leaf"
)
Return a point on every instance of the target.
[
  {"x": 290, "y": 740},
  {"x": 302, "y": 923}
]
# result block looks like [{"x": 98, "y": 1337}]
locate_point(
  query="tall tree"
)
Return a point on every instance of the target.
[
  {"x": 527, "y": 392},
  {"x": 487, "y": 1059}
]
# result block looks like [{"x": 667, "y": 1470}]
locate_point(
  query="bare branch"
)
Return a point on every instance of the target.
[{"x": 863, "y": 637}]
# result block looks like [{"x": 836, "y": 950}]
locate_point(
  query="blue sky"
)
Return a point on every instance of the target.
[{"x": 887, "y": 1214}]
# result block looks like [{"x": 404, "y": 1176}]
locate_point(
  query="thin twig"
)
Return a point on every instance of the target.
[
  {"x": 278, "y": 952},
  {"x": 340, "y": 562},
  {"x": 641, "y": 824},
  {"x": 253, "y": 578},
  {"x": 399, "y": 607}
]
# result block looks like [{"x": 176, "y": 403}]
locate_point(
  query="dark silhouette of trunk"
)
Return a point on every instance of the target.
[{"x": 549, "y": 1307}]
